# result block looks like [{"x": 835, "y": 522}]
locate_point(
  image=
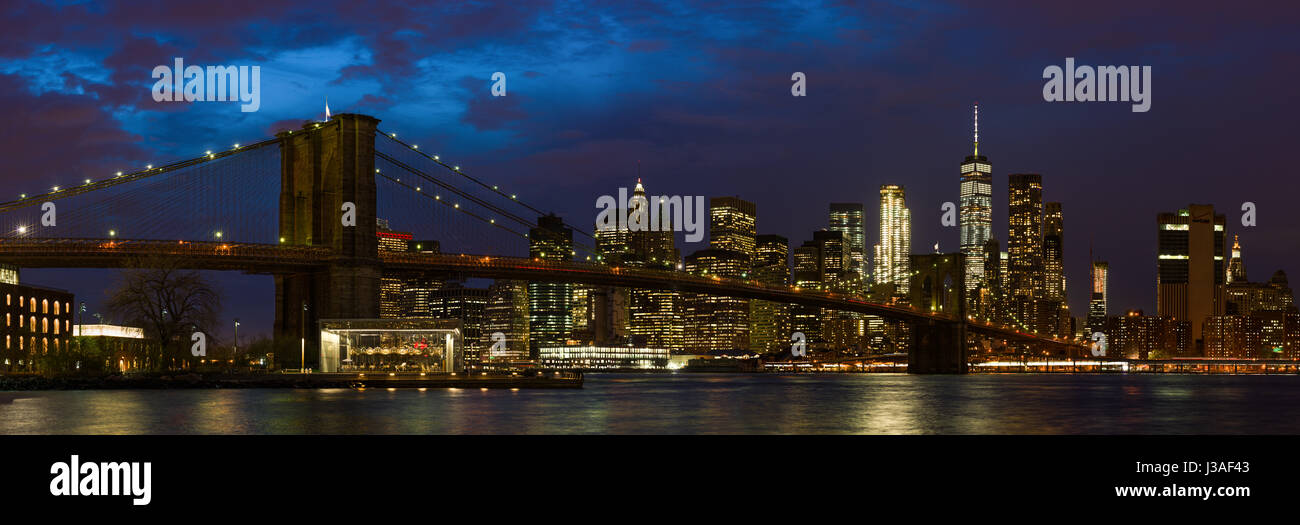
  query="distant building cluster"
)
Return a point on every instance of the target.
[{"x": 1206, "y": 306}]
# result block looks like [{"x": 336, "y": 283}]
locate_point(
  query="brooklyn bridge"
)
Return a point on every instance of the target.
[{"x": 223, "y": 210}]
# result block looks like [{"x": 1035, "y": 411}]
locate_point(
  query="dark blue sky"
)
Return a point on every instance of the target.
[{"x": 699, "y": 92}]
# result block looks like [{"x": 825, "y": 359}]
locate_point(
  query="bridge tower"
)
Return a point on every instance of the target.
[
  {"x": 938, "y": 285},
  {"x": 324, "y": 166}
]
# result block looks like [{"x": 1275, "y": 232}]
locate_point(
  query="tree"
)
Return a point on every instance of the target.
[{"x": 169, "y": 302}]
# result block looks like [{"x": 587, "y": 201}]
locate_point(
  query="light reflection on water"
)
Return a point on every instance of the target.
[{"x": 696, "y": 404}]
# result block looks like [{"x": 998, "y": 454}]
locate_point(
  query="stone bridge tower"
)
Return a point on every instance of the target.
[
  {"x": 323, "y": 166},
  {"x": 938, "y": 285}
]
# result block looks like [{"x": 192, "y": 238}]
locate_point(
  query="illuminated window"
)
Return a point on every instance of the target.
[
  {"x": 33, "y": 305},
  {"x": 56, "y": 308},
  {"x": 45, "y": 306}
]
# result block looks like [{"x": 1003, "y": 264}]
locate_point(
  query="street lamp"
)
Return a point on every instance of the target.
[
  {"x": 302, "y": 362},
  {"x": 236, "y": 337}
]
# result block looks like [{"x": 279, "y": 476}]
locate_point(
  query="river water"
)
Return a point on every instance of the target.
[{"x": 697, "y": 404}]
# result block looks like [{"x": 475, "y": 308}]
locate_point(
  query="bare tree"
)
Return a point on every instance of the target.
[{"x": 169, "y": 302}]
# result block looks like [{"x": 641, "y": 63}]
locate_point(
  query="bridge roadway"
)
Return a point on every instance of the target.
[{"x": 280, "y": 259}]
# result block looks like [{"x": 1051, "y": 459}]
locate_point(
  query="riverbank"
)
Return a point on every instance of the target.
[{"x": 319, "y": 380}]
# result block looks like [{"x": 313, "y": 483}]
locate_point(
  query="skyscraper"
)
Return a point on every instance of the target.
[
  {"x": 976, "y": 213},
  {"x": 655, "y": 316},
  {"x": 1053, "y": 252},
  {"x": 991, "y": 293},
  {"x": 550, "y": 320},
  {"x": 733, "y": 225},
  {"x": 892, "y": 264},
  {"x": 1025, "y": 248},
  {"x": 1236, "y": 265},
  {"x": 714, "y": 322},
  {"x": 847, "y": 217},
  {"x": 390, "y": 285},
  {"x": 1098, "y": 307},
  {"x": 1190, "y": 267},
  {"x": 770, "y": 321},
  {"x": 506, "y": 313},
  {"x": 1054, "y": 305}
]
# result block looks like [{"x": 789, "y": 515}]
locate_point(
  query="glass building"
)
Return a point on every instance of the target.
[
  {"x": 604, "y": 358},
  {"x": 892, "y": 264},
  {"x": 416, "y": 345},
  {"x": 550, "y": 304},
  {"x": 976, "y": 212},
  {"x": 847, "y": 217}
]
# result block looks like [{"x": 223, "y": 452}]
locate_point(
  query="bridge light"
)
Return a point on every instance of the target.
[
  {"x": 236, "y": 146},
  {"x": 376, "y": 170},
  {"x": 218, "y": 234},
  {"x": 88, "y": 180},
  {"x": 415, "y": 146},
  {"x": 23, "y": 196},
  {"x": 494, "y": 186},
  {"x": 56, "y": 188},
  {"x": 112, "y": 233},
  {"x": 435, "y": 197},
  {"x": 512, "y": 196},
  {"x": 493, "y": 221},
  {"x": 22, "y": 229},
  {"x": 148, "y": 166},
  {"x": 394, "y": 135},
  {"x": 281, "y": 240},
  {"x": 457, "y": 205},
  {"x": 457, "y": 168},
  {"x": 435, "y": 157},
  {"x": 417, "y": 188}
]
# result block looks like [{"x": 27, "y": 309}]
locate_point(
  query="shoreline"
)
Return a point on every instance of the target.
[{"x": 316, "y": 380}]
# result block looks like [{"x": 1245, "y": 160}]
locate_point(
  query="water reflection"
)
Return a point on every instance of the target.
[{"x": 696, "y": 404}]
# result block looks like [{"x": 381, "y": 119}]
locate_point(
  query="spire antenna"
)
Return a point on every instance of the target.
[{"x": 977, "y": 129}]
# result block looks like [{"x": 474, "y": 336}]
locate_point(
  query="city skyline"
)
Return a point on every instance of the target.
[{"x": 869, "y": 118}]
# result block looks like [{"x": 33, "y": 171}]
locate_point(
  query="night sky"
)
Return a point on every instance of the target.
[{"x": 699, "y": 93}]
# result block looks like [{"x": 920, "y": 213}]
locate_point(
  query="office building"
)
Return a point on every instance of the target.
[
  {"x": 1098, "y": 307},
  {"x": 550, "y": 318},
  {"x": 655, "y": 316},
  {"x": 714, "y": 322},
  {"x": 976, "y": 219},
  {"x": 506, "y": 313},
  {"x": 769, "y": 321},
  {"x": 847, "y": 217},
  {"x": 733, "y": 224},
  {"x": 1190, "y": 267},
  {"x": 892, "y": 253},
  {"x": 1026, "y": 275}
]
